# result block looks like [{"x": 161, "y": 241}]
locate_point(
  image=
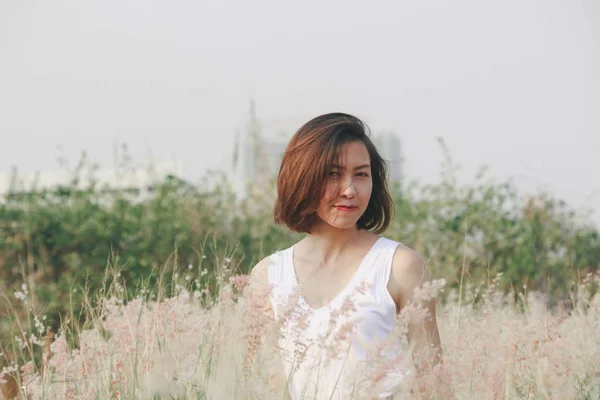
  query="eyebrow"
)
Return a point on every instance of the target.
[{"x": 356, "y": 168}]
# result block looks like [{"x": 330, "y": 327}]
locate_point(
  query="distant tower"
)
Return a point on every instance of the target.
[
  {"x": 389, "y": 146},
  {"x": 251, "y": 156}
]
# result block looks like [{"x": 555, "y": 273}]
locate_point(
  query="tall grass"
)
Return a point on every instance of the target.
[
  {"x": 108, "y": 273},
  {"x": 197, "y": 344}
]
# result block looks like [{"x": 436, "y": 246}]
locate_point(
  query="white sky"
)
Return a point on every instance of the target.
[{"x": 512, "y": 84}]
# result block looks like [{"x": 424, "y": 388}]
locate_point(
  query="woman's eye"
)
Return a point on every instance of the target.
[
  {"x": 334, "y": 174},
  {"x": 363, "y": 174}
]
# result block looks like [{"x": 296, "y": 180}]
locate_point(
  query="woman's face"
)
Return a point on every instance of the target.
[{"x": 348, "y": 187}]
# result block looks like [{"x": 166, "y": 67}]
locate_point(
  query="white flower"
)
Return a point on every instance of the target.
[
  {"x": 20, "y": 296},
  {"x": 39, "y": 325},
  {"x": 20, "y": 342},
  {"x": 33, "y": 339}
]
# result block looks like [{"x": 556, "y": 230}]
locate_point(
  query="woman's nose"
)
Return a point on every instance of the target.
[{"x": 348, "y": 188}]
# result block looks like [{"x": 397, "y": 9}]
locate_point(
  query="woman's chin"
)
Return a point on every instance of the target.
[{"x": 342, "y": 225}]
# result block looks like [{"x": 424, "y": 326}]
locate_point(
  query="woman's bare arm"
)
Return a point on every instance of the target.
[
  {"x": 259, "y": 282},
  {"x": 259, "y": 285},
  {"x": 409, "y": 272}
]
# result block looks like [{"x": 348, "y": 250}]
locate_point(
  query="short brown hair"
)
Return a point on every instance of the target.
[{"x": 306, "y": 164}]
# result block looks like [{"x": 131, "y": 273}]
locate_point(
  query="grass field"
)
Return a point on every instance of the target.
[
  {"x": 106, "y": 294},
  {"x": 199, "y": 346}
]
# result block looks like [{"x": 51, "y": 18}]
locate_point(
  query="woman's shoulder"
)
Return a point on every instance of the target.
[
  {"x": 260, "y": 272},
  {"x": 408, "y": 260},
  {"x": 409, "y": 271},
  {"x": 405, "y": 259},
  {"x": 389, "y": 242}
]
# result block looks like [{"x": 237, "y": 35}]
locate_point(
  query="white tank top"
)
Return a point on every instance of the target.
[{"x": 325, "y": 350}]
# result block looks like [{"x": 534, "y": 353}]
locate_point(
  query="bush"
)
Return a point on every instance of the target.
[{"x": 60, "y": 241}]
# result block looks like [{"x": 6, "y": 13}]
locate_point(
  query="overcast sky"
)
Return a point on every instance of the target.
[{"x": 512, "y": 84}]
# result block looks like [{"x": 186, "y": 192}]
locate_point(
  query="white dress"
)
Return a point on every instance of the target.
[{"x": 330, "y": 352}]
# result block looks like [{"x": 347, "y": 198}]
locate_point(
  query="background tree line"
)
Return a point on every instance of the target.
[{"x": 60, "y": 240}]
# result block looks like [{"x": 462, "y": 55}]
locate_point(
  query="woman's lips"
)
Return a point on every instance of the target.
[{"x": 346, "y": 208}]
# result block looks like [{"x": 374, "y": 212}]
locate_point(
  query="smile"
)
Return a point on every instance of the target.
[{"x": 346, "y": 208}]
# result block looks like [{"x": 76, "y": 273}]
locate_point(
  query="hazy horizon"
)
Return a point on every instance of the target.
[{"x": 513, "y": 85}]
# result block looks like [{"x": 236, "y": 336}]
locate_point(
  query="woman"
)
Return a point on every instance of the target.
[{"x": 337, "y": 292}]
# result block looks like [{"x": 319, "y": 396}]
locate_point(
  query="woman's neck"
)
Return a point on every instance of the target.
[{"x": 325, "y": 243}]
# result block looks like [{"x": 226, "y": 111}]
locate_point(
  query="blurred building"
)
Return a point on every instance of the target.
[
  {"x": 259, "y": 148},
  {"x": 257, "y": 153},
  {"x": 389, "y": 146},
  {"x": 139, "y": 180}
]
